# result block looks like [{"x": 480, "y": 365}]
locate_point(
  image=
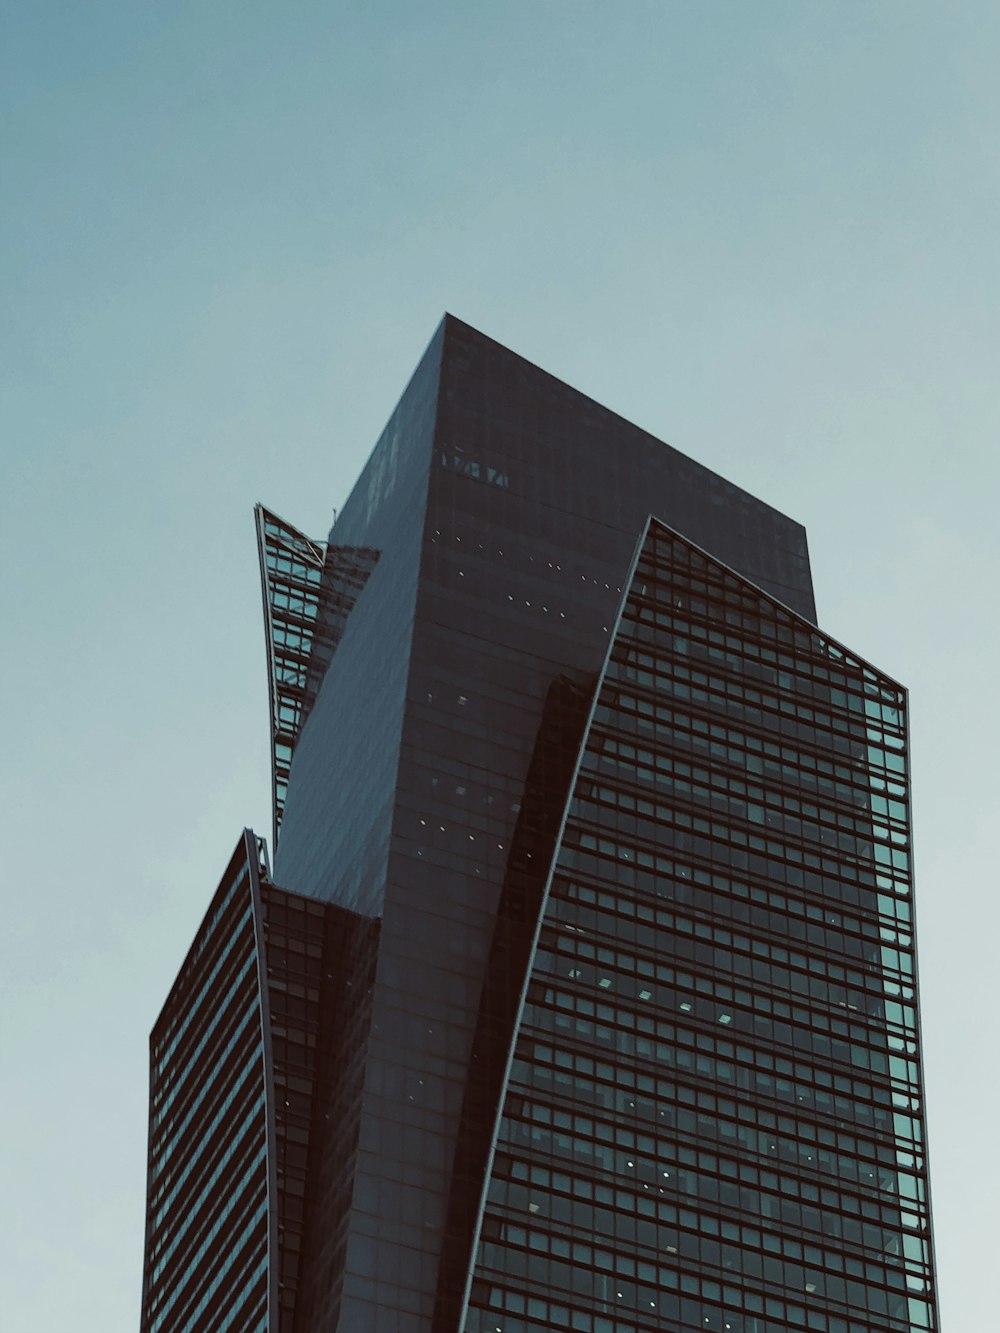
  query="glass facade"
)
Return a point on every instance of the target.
[
  {"x": 588, "y": 998},
  {"x": 291, "y": 568},
  {"x": 256, "y": 1054},
  {"x": 713, "y": 1117},
  {"x": 207, "y": 1202},
  {"x": 309, "y": 590}
]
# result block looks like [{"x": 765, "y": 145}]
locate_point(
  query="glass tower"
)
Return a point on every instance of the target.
[{"x": 587, "y": 1000}]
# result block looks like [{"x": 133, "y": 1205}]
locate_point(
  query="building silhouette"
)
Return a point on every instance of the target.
[{"x": 582, "y": 995}]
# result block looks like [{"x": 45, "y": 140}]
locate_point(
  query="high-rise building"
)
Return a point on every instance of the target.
[{"x": 582, "y": 995}]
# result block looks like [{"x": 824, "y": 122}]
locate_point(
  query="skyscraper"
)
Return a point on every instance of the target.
[{"x": 582, "y": 995}]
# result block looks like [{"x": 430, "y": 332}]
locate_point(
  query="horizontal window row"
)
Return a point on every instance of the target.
[
  {"x": 691, "y": 808},
  {"x": 801, "y": 1085},
  {"x": 844, "y": 1243},
  {"x": 687, "y": 729},
  {"x": 784, "y": 836},
  {"x": 747, "y": 1190},
  {"x": 763, "y": 900},
  {"x": 692, "y": 1108},
  {"x": 713, "y": 595},
  {"x": 577, "y": 1269},
  {"x": 294, "y": 638},
  {"x": 737, "y": 771},
  {"x": 609, "y": 860},
  {"x": 736, "y": 791},
  {"x": 626, "y": 1306},
  {"x": 643, "y": 839},
  {"x": 859, "y": 1011},
  {"x": 693, "y": 1254},
  {"x": 528, "y": 1313},
  {"x": 902, "y": 1071},
  {"x": 748, "y": 756},
  {"x": 282, "y": 561},
  {"x": 627, "y": 709},
  {"x": 798, "y": 679},
  {"x": 600, "y": 990},
  {"x": 671, "y": 595},
  {"x": 729, "y": 1122},
  {"x": 819, "y": 661},
  {"x": 870, "y": 1225},
  {"x": 766, "y": 1146},
  {"x": 671, "y": 674},
  {"x": 743, "y": 658},
  {"x": 584, "y": 910}
]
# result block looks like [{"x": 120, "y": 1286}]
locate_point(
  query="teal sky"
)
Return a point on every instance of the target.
[{"x": 765, "y": 231}]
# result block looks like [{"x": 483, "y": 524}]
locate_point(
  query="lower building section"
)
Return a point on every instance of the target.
[
  {"x": 208, "y": 1217},
  {"x": 255, "y": 1094}
]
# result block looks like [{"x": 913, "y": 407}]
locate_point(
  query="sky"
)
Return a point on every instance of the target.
[{"x": 765, "y": 231}]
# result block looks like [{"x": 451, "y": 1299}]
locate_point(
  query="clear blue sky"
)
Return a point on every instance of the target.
[{"x": 765, "y": 231}]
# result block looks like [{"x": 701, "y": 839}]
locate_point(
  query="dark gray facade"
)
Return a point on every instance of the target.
[
  {"x": 454, "y": 641},
  {"x": 712, "y": 1114}
]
